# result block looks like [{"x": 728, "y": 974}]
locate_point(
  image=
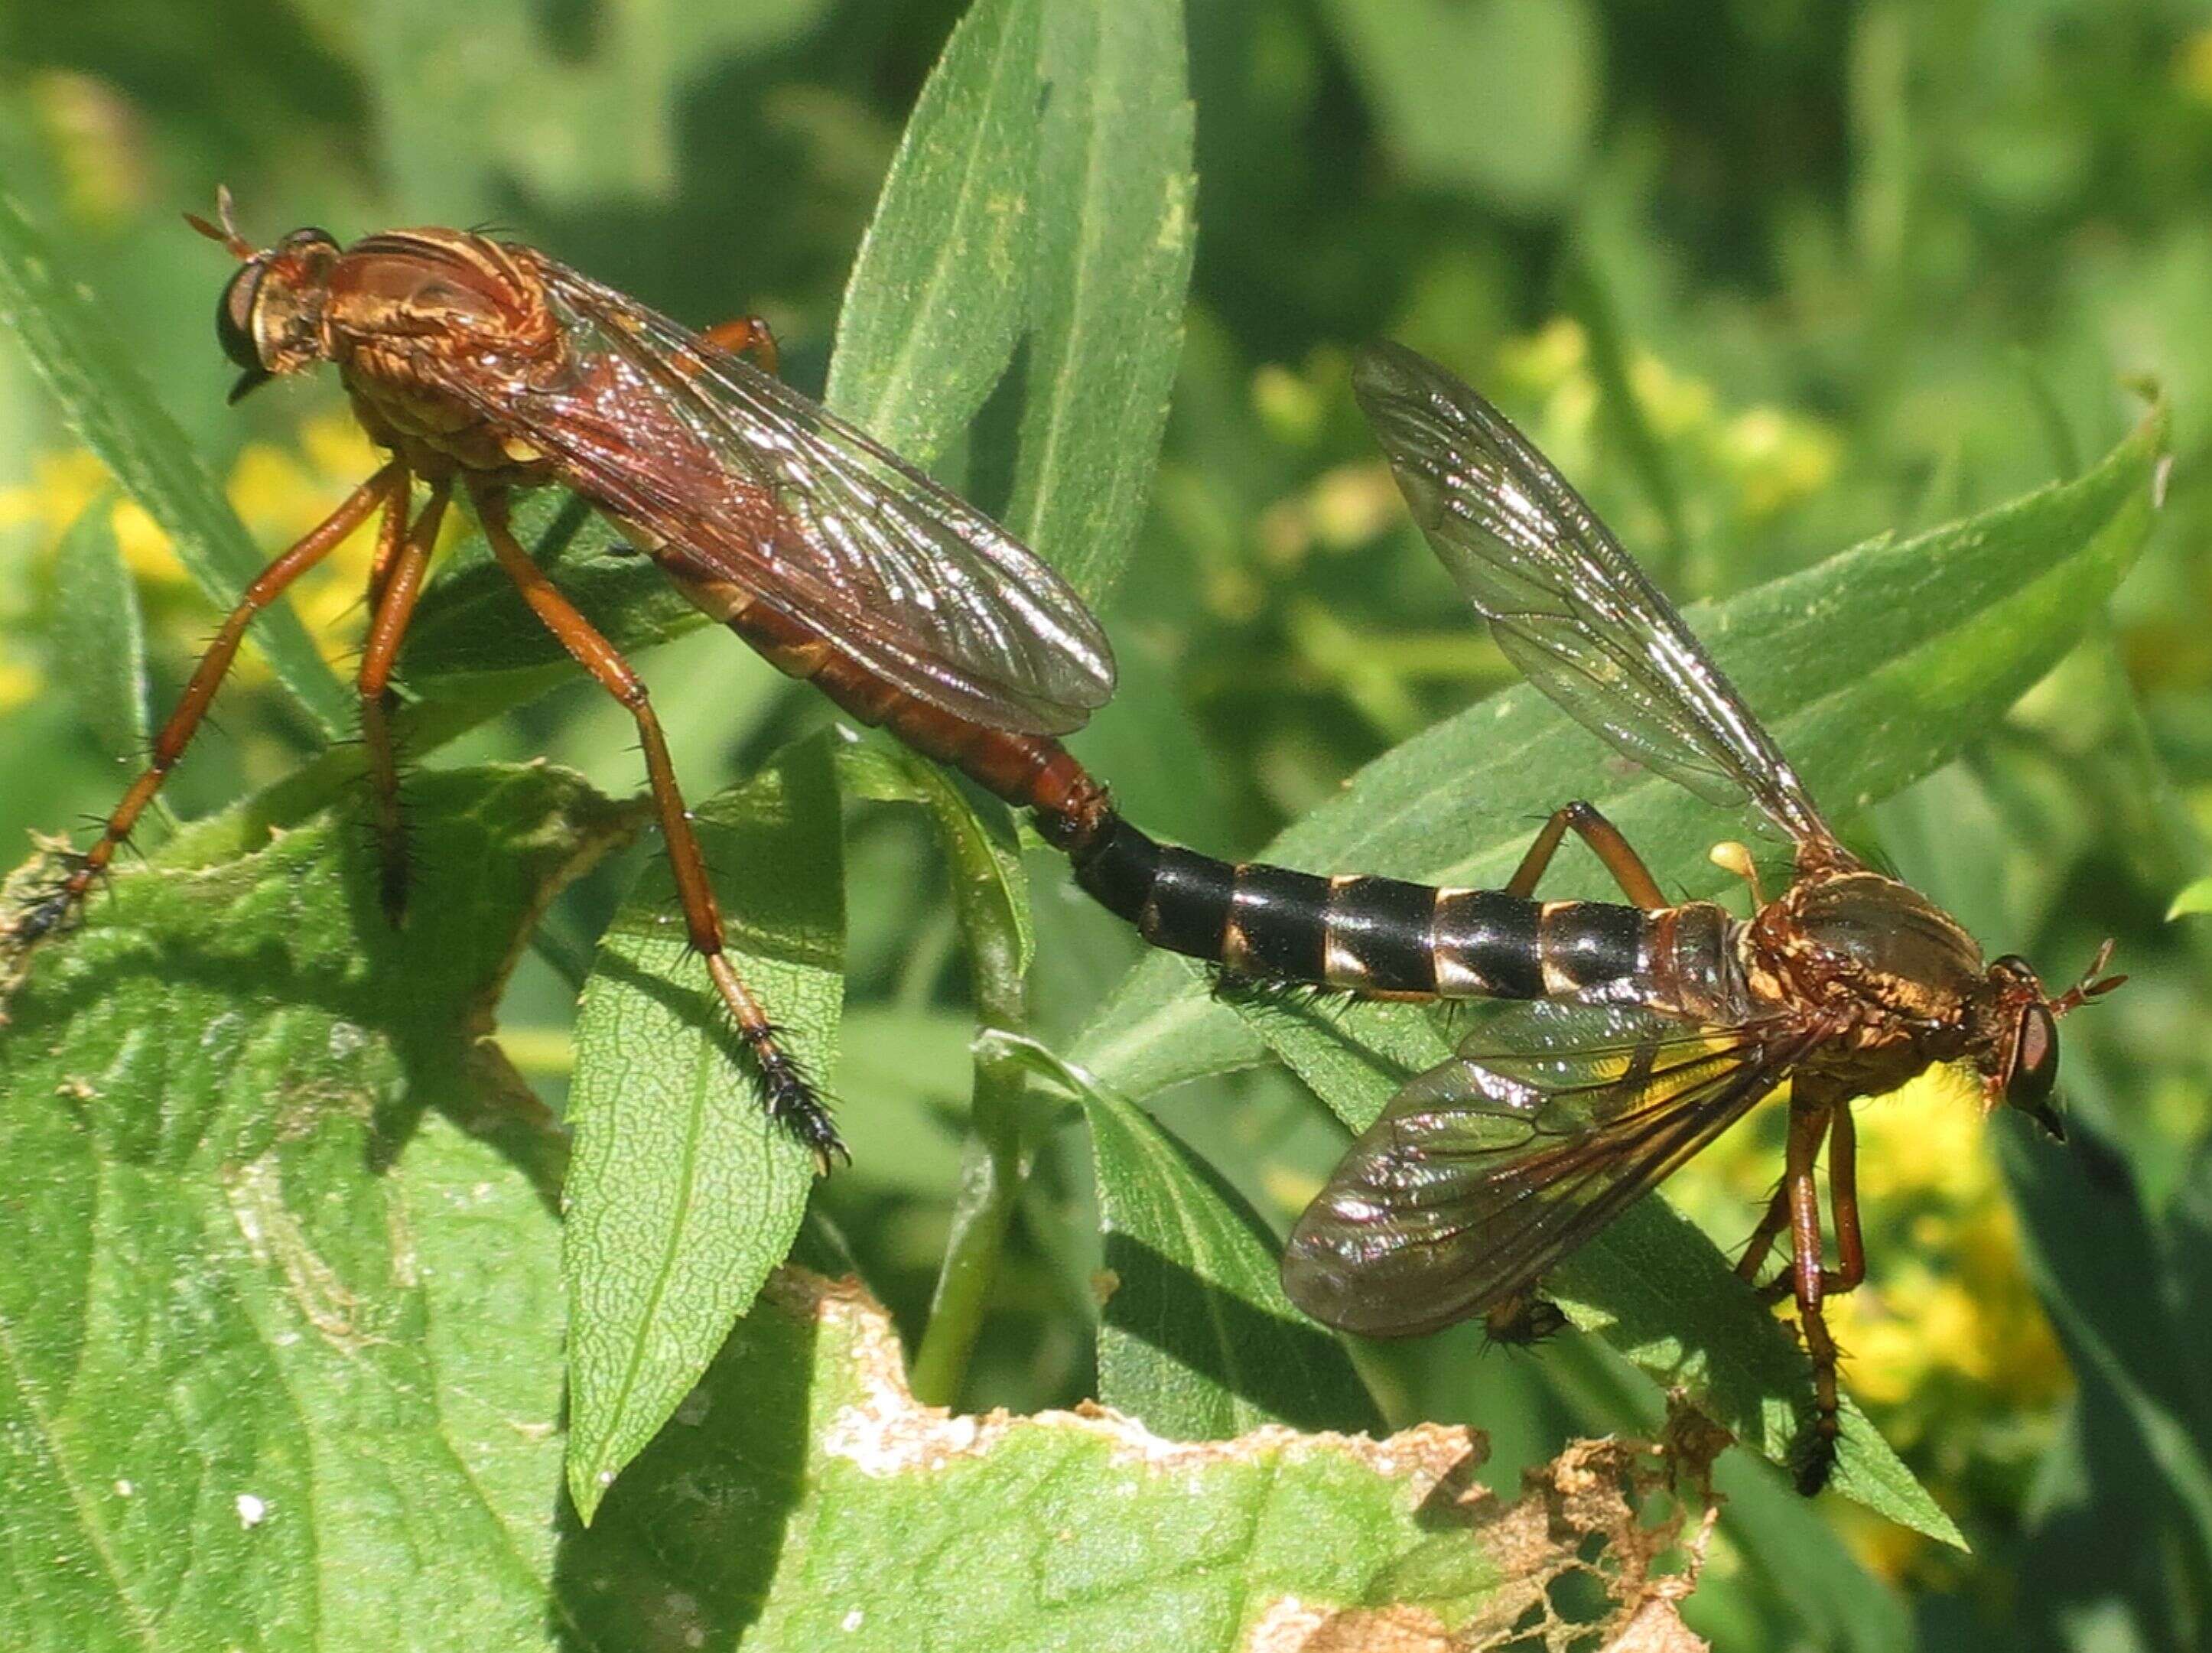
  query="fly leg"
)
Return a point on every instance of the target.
[
  {"x": 1762, "y": 1237},
  {"x": 394, "y": 585},
  {"x": 790, "y": 1097},
  {"x": 58, "y": 907},
  {"x": 1809, "y": 1122},
  {"x": 1844, "y": 1205},
  {"x": 1604, "y": 839},
  {"x": 1844, "y": 1202},
  {"x": 747, "y": 335}
]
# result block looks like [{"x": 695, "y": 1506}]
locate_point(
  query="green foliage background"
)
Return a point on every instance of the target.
[{"x": 1769, "y": 282}]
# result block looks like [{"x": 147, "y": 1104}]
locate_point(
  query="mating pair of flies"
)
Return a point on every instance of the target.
[{"x": 1645, "y": 1028}]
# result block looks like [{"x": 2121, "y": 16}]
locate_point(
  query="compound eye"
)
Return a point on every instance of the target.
[
  {"x": 234, "y": 315},
  {"x": 2034, "y": 1071}
]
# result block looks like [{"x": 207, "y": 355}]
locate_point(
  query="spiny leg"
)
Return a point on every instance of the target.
[
  {"x": 1762, "y": 1237},
  {"x": 791, "y": 1099},
  {"x": 61, "y": 906},
  {"x": 1604, "y": 838},
  {"x": 401, "y": 583},
  {"x": 1809, "y": 1122}
]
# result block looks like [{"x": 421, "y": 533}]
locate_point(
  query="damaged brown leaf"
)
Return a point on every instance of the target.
[{"x": 899, "y": 1525}]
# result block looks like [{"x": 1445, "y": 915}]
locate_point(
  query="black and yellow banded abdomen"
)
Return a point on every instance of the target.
[{"x": 1366, "y": 935}]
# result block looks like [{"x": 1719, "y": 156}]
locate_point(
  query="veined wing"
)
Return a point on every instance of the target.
[
  {"x": 1488, "y": 1168},
  {"x": 776, "y": 496},
  {"x": 1567, "y": 604}
]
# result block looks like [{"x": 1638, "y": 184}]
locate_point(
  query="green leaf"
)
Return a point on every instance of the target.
[
  {"x": 1196, "y": 1340},
  {"x": 990, "y": 887},
  {"x": 804, "y": 1501},
  {"x": 1115, "y": 229},
  {"x": 1871, "y": 669},
  {"x": 78, "y": 352},
  {"x": 684, "y": 1194},
  {"x": 470, "y": 98},
  {"x": 2194, "y": 900},
  {"x": 474, "y": 645},
  {"x": 1483, "y": 95},
  {"x": 941, "y": 289},
  {"x": 990, "y": 897},
  {"x": 98, "y": 635},
  {"x": 286, "y": 1372}
]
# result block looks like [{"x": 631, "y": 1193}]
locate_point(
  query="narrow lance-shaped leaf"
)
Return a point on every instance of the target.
[
  {"x": 1114, "y": 230},
  {"x": 1195, "y": 1338},
  {"x": 684, "y": 1194},
  {"x": 941, "y": 289},
  {"x": 98, "y": 634},
  {"x": 78, "y": 352},
  {"x": 990, "y": 896},
  {"x": 1872, "y": 669},
  {"x": 989, "y": 886},
  {"x": 279, "y": 1352}
]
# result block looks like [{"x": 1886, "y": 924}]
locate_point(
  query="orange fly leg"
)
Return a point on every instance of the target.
[
  {"x": 1604, "y": 838},
  {"x": 1844, "y": 1203},
  {"x": 790, "y": 1097},
  {"x": 1809, "y": 1122},
  {"x": 59, "y": 907},
  {"x": 390, "y": 533},
  {"x": 747, "y": 335},
  {"x": 1762, "y": 1237},
  {"x": 396, "y": 586}
]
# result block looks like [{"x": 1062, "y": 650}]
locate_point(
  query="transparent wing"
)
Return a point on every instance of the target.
[
  {"x": 1485, "y": 1170},
  {"x": 1567, "y": 604},
  {"x": 769, "y": 492}
]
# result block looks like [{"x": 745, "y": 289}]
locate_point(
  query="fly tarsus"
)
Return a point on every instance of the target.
[
  {"x": 1813, "y": 1459},
  {"x": 794, "y": 1101},
  {"x": 1523, "y": 1321},
  {"x": 1233, "y": 987},
  {"x": 42, "y": 900}
]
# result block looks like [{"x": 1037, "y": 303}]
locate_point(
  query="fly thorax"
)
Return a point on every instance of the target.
[{"x": 1862, "y": 942}]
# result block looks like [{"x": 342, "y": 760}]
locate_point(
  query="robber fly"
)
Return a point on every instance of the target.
[
  {"x": 486, "y": 366},
  {"x": 1650, "y": 1026}
]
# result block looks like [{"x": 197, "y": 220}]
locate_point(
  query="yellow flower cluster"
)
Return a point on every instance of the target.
[
  {"x": 1946, "y": 1334},
  {"x": 1766, "y": 458},
  {"x": 278, "y": 492}
]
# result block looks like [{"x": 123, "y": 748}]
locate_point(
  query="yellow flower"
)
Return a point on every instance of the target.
[
  {"x": 1675, "y": 404},
  {"x": 18, "y": 683},
  {"x": 1544, "y": 359},
  {"x": 61, "y": 486},
  {"x": 145, "y": 545},
  {"x": 1778, "y": 458},
  {"x": 2192, "y": 65}
]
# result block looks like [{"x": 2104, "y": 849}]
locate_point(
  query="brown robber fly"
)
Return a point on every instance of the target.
[
  {"x": 1650, "y": 1027},
  {"x": 486, "y": 366}
]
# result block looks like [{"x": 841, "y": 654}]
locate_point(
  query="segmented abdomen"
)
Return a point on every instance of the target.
[{"x": 1369, "y": 935}]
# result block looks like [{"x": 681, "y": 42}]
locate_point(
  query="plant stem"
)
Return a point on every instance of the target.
[
  {"x": 983, "y": 1210},
  {"x": 991, "y": 904}
]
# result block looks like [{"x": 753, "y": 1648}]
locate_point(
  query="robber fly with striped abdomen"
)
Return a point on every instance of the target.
[
  {"x": 1650, "y": 1027},
  {"x": 485, "y": 365}
]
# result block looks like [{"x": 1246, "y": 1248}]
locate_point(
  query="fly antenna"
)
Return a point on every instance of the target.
[
  {"x": 226, "y": 230},
  {"x": 2094, "y": 984}
]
